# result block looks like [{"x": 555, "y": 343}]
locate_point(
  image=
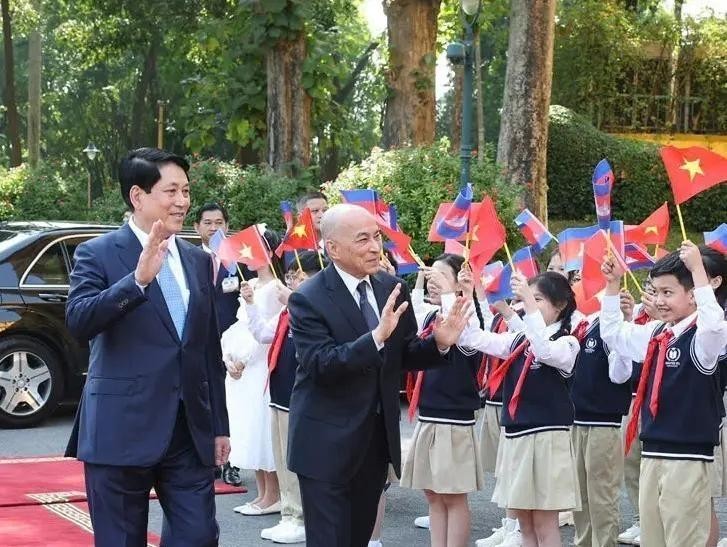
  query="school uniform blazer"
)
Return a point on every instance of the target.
[
  {"x": 341, "y": 376},
  {"x": 139, "y": 369}
]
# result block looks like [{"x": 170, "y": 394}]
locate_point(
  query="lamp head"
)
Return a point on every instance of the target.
[
  {"x": 470, "y": 7},
  {"x": 91, "y": 151}
]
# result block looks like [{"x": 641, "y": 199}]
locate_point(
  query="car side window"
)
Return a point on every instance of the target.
[{"x": 49, "y": 269}]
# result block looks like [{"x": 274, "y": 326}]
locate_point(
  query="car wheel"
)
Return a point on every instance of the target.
[{"x": 31, "y": 381}]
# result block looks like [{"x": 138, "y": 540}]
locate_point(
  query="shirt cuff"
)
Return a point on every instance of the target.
[
  {"x": 379, "y": 346},
  {"x": 534, "y": 321},
  {"x": 611, "y": 303},
  {"x": 142, "y": 288}
]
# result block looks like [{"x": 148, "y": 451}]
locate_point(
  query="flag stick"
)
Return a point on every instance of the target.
[
  {"x": 681, "y": 222},
  {"x": 656, "y": 251},
  {"x": 297, "y": 260},
  {"x": 416, "y": 258},
  {"x": 467, "y": 248},
  {"x": 509, "y": 256},
  {"x": 315, "y": 241},
  {"x": 612, "y": 251},
  {"x": 237, "y": 264},
  {"x": 626, "y": 283}
]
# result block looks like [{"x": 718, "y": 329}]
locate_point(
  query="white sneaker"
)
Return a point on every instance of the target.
[
  {"x": 637, "y": 540},
  {"x": 629, "y": 535},
  {"x": 497, "y": 537},
  {"x": 422, "y": 522},
  {"x": 565, "y": 519},
  {"x": 267, "y": 533},
  {"x": 291, "y": 533},
  {"x": 376, "y": 543},
  {"x": 722, "y": 542},
  {"x": 512, "y": 539}
]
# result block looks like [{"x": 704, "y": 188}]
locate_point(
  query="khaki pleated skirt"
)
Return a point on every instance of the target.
[
  {"x": 717, "y": 470},
  {"x": 537, "y": 472},
  {"x": 443, "y": 458},
  {"x": 490, "y": 437}
]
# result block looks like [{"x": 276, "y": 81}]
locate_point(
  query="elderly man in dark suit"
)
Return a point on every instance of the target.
[
  {"x": 153, "y": 409},
  {"x": 354, "y": 330}
]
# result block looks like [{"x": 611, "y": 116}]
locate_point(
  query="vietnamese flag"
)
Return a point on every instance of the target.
[
  {"x": 692, "y": 170},
  {"x": 595, "y": 249},
  {"x": 652, "y": 231},
  {"x": 247, "y": 247},
  {"x": 487, "y": 234},
  {"x": 586, "y": 306},
  {"x": 302, "y": 236}
]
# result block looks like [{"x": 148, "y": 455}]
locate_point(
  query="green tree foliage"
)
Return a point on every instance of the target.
[{"x": 575, "y": 146}]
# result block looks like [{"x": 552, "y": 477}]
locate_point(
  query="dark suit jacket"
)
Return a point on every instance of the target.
[
  {"x": 138, "y": 367},
  {"x": 340, "y": 376}
]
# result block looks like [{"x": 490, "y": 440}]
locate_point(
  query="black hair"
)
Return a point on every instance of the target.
[
  {"x": 140, "y": 168},
  {"x": 211, "y": 206},
  {"x": 715, "y": 264},
  {"x": 302, "y": 200},
  {"x": 455, "y": 262},
  {"x": 310, "y": 262},
  {"x": 558, "y": 291},
  {"x": 272, "y": 241}
]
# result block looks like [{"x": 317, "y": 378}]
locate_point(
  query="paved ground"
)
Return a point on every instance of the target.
[{"x": 238, "y": 531}]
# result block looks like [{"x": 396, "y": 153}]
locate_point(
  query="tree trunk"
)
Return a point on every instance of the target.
[
  {"x": 480, "y": 102},
  {"x": 289, "y": 107},
  {"x": 672, "y": 116},
  {"x": 35, "y": 64},
  {"x": 11, "y": 107},
  {"x": 137, "y": 137},
  {"x": 410, "y": 108},
  {"x": 455, "y": 125},
  {"x": 522, "y": 145}
]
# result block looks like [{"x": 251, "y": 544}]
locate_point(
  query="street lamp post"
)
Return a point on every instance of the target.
[
  {"x": 463, "y": 53},
  {"x": 91, "y": 152}
]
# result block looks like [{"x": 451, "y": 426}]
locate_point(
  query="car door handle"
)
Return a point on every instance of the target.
[{"x": 52, "y": 297}]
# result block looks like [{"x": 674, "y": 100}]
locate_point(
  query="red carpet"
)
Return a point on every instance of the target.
[
  {"x": 53, "y": 525},
  {"x": 35, "y": 481}
]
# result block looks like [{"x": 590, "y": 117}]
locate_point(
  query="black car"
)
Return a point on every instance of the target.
[{"x": 41, "y": 364}]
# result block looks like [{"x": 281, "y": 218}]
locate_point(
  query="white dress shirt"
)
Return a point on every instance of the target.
[
  {"x": 560, "y": 353},
  {"x": 352, "y": 284},
  {"x": 175, "y": 261},
  {"x": 633, "y": 340}
]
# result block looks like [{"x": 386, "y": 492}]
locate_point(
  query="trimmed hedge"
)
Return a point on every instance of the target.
[
  {"x": 417, "y": 180},
  {"x": 575, "y": 146}
]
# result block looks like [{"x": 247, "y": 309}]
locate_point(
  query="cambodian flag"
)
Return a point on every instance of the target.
[
  {"x": 533, "y": 230},
  {"x": 638, "y": 258},
  {"x": 618, "y": 237},
  {"x": 405, "y": 262},
  {"x": 455, "y": 222},
  {"x": 287, "y": 209},
  {"x": 499, "y": 288},
  {"x": 602, "y": 186},
  {"x": 369, "y": 199},
  {"x": 491, "y": 272},
  {"x": 571, "y": 243},
  {"x": 215, "y": 241},
  {"x": 717, "y": 239}
]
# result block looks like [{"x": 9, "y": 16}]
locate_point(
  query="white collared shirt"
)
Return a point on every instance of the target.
[
  {"x": 560, "y": 353},
  {"x": 633, "y": 340},
  {"x": 352, "y": 284},
  {"x": 175, "y": 261}
]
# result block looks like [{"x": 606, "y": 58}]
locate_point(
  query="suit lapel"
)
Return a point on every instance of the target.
[
  {"x": 130, "y": 249},
  {"x": 189, "y": 266},
  {"x": 343, "y": 300},
  {"x": 380, "y": 292}
]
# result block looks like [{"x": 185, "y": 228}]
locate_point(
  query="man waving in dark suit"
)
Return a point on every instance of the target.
[
  {"x": 153, "y": 409},
  {"x": 354, "y": 330}
]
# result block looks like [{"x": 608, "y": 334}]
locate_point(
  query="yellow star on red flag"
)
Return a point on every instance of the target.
[
  {"x": 692, "y": 167},
  {"x": 299, "y": 230},
  {"x": 246, "y": 252}
]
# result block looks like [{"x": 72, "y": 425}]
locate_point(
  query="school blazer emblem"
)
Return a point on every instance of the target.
[
  {"x": 591, "y": 344},
  {"x": 672, "y": 356}
]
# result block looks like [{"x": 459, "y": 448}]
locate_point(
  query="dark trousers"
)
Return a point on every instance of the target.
[
  {"x": 118, "y": 498},
  {"x": 343, "y": 515}
]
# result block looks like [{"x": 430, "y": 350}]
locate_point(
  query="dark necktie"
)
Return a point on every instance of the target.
[{"x": 367, "y": 311}]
